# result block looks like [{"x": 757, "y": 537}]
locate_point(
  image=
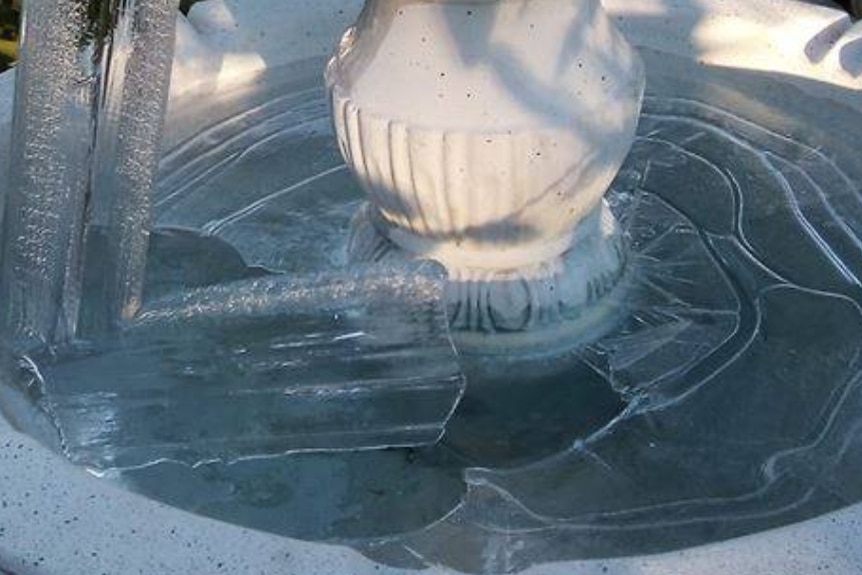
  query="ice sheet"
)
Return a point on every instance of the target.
[{"x": 359, "y": 359}]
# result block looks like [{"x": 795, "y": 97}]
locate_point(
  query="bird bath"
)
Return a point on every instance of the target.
[{"x": 721, "y": 402}]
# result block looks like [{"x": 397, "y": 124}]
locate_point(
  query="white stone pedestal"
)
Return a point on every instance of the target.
[{"x": 485, "y": 134}]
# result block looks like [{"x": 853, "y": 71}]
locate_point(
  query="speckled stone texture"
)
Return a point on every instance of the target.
[{"x": 56, "y": 520}]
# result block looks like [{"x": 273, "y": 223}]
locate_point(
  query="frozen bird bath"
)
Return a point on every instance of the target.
[{"x": 718, "y": 396}]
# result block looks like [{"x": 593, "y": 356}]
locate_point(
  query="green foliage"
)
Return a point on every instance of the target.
[{"x": 9, "y": 15}]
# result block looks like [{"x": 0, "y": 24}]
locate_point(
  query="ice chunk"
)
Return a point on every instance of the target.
[
  {"x": 177, "y": 259},
  {"x": 357, "y": 359},
  {"x": 133, "y": 101},
  {"x": 43, "y": 198},
  {"x": 91, "y": 94}
]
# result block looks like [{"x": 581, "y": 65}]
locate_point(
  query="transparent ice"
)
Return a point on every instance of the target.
[
  {"x": 128, "y": 148},
  {"x": 90, "y": 101},
  {"x": 199, "y": 355},
  {"x": 263, "y": 366},
  {"x": 44, "y": 201}
]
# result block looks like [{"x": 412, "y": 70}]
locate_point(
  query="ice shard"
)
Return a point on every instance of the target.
[
  {"x": 132, "y": 106},
  {"x": 358, "y": 359}
]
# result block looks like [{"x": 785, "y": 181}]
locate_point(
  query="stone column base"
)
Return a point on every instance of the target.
[{"x": 555, "y": 304}]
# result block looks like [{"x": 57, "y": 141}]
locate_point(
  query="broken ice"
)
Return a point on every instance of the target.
[{"x": 353, "y": 360}]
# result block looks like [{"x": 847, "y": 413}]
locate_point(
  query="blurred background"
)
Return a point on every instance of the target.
[{"x": 10, "y": 12}]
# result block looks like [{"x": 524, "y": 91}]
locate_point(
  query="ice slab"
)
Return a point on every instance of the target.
[
  {"x": 358, "y": 359},
  {"x": 44, "y": 192},
  {"x": 128, "y": 146}
]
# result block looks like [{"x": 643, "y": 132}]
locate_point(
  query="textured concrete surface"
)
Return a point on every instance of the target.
[{"x": 57, "y": 520}]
